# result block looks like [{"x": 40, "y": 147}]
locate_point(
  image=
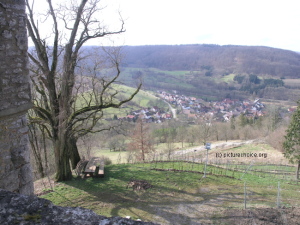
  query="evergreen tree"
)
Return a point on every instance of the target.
[{"x": 291, "y": 145}]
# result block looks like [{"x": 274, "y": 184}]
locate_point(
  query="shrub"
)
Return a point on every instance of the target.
[{"x": 107, "y": 160}]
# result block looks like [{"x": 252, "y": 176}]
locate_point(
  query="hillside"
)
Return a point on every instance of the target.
[
  {"x": 178, "y": 193},
  {"x": 215, "y": 58},
  {"x": 212, "y": 72}
]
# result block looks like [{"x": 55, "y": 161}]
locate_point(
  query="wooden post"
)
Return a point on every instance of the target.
[
  {"x": 207, "y": 146},
  {"x": 245, "y": 195},
  {"x": 278, "y": 195}
]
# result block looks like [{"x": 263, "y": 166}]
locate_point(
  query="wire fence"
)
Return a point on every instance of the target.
[{"x": 258, "y": 185}]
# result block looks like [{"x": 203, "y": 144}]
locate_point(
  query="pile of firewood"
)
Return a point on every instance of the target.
[{"x": 138, "y": 185}]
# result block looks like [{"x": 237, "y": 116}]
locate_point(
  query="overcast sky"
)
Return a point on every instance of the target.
[{"x": 274, "y": 23}]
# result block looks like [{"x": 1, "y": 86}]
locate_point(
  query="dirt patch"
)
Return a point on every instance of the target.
[
  {"x": 138, "y": 185},
  {"x": 190, "y": 215},
  {"x": 44, "y": 186},
  {"x": 266, "y": 216}
]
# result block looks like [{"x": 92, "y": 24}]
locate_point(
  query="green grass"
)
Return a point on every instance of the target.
[
  {"x": 228, "y": 78},
  {"x": 140, "y": 100},
  {"x": 110, "y": 196},
  {"x": 173, "y": 73},
  {"x": 157, "y": 78},
  {"x": 114, "y": 156},
  {"x": 127, "y": 71},
  {"x": 180, "y": 197}
]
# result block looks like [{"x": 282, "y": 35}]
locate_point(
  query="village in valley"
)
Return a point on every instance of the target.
[{"x": 197, "y": 109}]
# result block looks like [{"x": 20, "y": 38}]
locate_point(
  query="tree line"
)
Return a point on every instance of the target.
[{"x": 224, "y": 59}]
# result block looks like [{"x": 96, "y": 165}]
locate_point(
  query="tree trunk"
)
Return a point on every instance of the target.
[
  {"x": 35, "y": 146},
  {"x": 62, "y": 156},
  {"x": 63, "y": 169},
  {"x": 66, "y": 152},
  {"x": 73, "y": 151},
  {"x": 38, "y": 160}
]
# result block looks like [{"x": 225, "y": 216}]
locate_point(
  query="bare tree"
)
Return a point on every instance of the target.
[
  {"x": 141, "y": 143},
  {"x": 205, "y": 130},
  {"x": 182, "y": 134},
  {"x": 170, "y": 147},
  {"x": 36, "y": 142},
  {"x": 192, "y": 135},
  {"x": 55, "y": 63}
]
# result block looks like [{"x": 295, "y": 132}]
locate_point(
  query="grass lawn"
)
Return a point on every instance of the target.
[
  {"x": 141, "y": 99},
  {"x": 114, "y": 156},
  {"x": 176, "y": 197},
  {"x": 183, "y": 197}
]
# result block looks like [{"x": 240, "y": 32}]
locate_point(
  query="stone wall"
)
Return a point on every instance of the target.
[{"x": 15, "y": 170}]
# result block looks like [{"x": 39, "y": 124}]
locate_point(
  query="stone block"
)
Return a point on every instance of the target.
[
  {"x": 26, "y": 189},
  {"x": 11, "y": 181},
  {"x": 19, "y": 156},
  {"x": 15, "y": 172},
  {"x": 25, "y": 174},
  {"x": 24, "y": 95},
  {"x": 7, "y": 34}
]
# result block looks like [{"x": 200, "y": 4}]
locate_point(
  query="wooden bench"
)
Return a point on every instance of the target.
[
  {"x": 100, "y": 170},
  {"x": 94, "y": 168}
]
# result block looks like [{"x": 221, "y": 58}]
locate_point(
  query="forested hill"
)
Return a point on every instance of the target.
[{"x": 217, "y": 59}]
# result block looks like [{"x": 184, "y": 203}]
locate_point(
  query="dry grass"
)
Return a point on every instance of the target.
[
  {"x": 292, "y": 82},
  {"x": 265, "y": 154}
]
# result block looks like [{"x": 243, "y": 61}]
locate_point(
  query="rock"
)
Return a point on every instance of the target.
[
  {"x": 31, "y": 210},
  {"x": 138, "y": 185}
]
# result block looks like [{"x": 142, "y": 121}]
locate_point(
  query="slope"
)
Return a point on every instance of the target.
[{"x": 218, "y": 59}]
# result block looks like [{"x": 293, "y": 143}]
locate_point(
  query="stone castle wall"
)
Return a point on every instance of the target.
[{"x": 15, "y": 170}]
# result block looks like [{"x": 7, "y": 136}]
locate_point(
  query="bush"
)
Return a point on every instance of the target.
[
  {"x": 107, "y": 161},
  {"x": 276, "y": 138}
]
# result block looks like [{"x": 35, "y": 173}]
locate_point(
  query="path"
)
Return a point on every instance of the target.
[
  {"x": 172, "y": 109},
  {"x": 215, "y": 145}
]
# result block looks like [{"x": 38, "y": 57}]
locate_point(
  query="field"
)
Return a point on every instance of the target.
[
  {"x": 295, "y": 83},
  {"x": 141, "y": 99},
  {"x": 228, "y": 78},
  {"x": 210, "y": 87},
  {"x": 180, "y": 194},
  {"x": 155, "y": 78},
  {"x": 118, "y": 157}
]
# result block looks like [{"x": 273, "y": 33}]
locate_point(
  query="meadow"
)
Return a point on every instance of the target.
[
  {"x": 140, "y": 100},
  {"x": 179, "y": 193}
]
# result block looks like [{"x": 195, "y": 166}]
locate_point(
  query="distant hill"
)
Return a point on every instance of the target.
[
  {"x": 212, "y": 72},
  {"x": 219, "y": 60}
]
